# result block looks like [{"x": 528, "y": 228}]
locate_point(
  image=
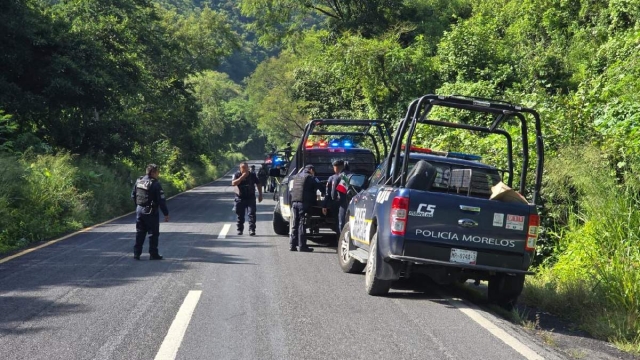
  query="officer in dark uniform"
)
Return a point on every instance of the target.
[
  {"x": 262, "y": 176},
  {"x": 148, "y": 196},
  {"x": 335, "y": 200},
  {"x": 245, "y": 183},
  {"x": 287, "y": 152},
  {"x": 303, "y": 197}
]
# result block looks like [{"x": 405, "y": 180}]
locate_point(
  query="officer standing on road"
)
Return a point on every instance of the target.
[
  {"x": 148, "y": 196},
  {"x": 245, "y": 183},
  {"x": 262, "y": 176},
  {"x": 303, "y": 197},
  {"x": 336, "y": 200}
]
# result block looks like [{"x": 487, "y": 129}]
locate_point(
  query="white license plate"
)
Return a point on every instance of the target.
[{"x": 463, "y": 256}]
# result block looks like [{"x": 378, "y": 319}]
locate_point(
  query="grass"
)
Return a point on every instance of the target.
[
  {"x": 577, "y": 353},
  {"x": 44, "y": 196},
  {"x": 594, "y": 278}
]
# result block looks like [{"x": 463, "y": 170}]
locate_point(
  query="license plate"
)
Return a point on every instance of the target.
[{"x": 463, "y": 256}]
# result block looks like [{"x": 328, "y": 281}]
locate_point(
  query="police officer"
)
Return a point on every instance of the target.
[
  {"x": 262, "y": 176},
  {"x": 287, "y": 152},
  {"x": 148, "y": 196},
  {"x": 245, "y": 183},
  {"x": 303, "y": 197},
  {"x": 336, "y": 200}
]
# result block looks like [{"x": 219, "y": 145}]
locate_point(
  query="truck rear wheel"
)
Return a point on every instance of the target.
[
  {"x": 505, "y": 289},
  {"x": 348, "y": 263},
  {"x": 374, "y": 285},
  {"x": 280, "y": 227}
]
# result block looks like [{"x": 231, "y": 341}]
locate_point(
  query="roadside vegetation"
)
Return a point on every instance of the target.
[{"x": 92, "y": 90}]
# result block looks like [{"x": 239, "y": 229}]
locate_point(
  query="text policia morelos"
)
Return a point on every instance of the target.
[{"x": 447, "y": 235}]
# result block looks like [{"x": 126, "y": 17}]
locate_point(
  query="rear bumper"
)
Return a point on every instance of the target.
[
  {"x": 425, "y": 252},
  {"x": 458, "y": 265}
]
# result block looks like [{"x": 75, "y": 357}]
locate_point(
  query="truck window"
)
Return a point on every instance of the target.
[
  {"x": 377, "y": 175},
  {"x": 359, "y": 163},
  {"x": 463, "y": 179}
]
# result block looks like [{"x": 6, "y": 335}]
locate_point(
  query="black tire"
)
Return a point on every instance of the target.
[
  {"x": 505, "y": 289},
  {"x": 375, "y": 286},
  {"x": 347, "y": 263},
  {"x": 280, "y": 226}
]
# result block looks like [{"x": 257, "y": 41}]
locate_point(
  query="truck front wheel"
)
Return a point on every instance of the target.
[
  {"x": 348, "y": 263},
  {"x": 374, "y": 285},
  {"x": 280, "y": 227}
]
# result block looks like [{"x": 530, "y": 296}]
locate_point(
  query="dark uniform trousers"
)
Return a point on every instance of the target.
[
  {"x": 246, "y": 206},
  {"x": 147, "y": 224},
  {"x": 338, "y": 206},
  {"x": 342, "y": 211},
  {"x": 298, "y": 233}
]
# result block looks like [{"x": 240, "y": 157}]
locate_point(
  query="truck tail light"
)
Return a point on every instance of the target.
[
  {"x": 399, "y": 212},
  {"x": 532, "y": 232}
]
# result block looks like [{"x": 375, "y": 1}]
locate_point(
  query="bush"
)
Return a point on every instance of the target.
[
  {"x": 594, "y": 279},
  {"x": 46, "y": 195}
]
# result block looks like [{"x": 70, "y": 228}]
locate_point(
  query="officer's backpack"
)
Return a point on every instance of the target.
[{"x": 143, "y": 187}]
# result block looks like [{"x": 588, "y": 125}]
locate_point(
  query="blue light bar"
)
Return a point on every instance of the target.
[
  {"x": 334, "y": 144},
  {"x": 278, "y": 160},
  {"x": 347, "y": 143},
  {"x": 464, "y": 156}
]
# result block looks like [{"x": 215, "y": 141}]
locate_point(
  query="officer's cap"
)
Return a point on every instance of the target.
[
  {"x": 338, "y": 162},
  {"x": 310, "y": 167}
]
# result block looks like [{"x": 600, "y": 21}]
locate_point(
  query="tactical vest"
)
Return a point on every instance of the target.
[
  {"x": 143, "y": 187},
  {"x": 297, "y": 192},
  {"x": 246, "y": 189}
]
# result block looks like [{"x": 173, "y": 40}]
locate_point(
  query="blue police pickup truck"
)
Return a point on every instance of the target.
[{"x": 446, "y": 214}]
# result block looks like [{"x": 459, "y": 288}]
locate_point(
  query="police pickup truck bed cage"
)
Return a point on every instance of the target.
[{"x": 501, "y": 112}]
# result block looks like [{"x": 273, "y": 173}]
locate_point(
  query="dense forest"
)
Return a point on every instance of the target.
[{"x": 91, "y": 90}]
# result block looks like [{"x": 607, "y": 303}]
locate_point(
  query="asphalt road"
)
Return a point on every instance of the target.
[{"x": 86, "y": 298}]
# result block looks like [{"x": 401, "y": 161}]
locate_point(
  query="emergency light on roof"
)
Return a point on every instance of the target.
[
  {"x": 464, "y": 156},
  {"x": 347, "y": 143},
  {"x": 334, "y": 143},
  {"x": 309, "y": 144},
  {"x": 322, "y": 144}
]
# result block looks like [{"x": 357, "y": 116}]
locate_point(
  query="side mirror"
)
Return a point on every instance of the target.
[
  {"x": 358, "y": 181},
  {"x": 275, "y": 172}
]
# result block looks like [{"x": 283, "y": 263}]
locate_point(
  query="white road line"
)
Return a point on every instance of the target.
[
  {"x": 224, "y": 231},
  {"x": 171, "y": 344},
  {"x": 514, "y": 343}
]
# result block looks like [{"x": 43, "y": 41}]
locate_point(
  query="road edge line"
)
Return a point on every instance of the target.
[
  {"x": 494, "y": 329},
  {"x": 78, "y": 232}
]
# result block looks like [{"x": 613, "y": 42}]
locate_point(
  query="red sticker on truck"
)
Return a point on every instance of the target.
[{"x": 515, "y": 222}]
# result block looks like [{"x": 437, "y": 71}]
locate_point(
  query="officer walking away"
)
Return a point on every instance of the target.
[
  {"x": 245, "y": 183},
  {"x": 148, "y": 196},
  {"x": 262, "y": 176},
  {"x": 335, "y": 195},
  {"x": 303, "y": 197}
]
